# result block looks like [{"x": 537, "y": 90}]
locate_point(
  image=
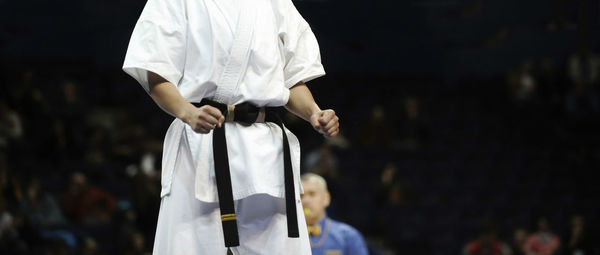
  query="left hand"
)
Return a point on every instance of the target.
[{"x": 326, "y": 123}]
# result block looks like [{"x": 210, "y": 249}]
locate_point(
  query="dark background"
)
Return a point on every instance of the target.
[{"x": 457, "y": 117}]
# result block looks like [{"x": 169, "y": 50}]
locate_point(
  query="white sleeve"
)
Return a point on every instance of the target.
[
  {"x": 300, "y": 48},
  {"x": 158, "y": 42}
]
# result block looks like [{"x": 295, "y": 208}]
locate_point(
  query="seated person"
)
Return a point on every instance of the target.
[{"x": 327, "y": 236}]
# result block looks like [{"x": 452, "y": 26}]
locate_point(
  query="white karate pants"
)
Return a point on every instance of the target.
[{"x": 187, "y": 226}]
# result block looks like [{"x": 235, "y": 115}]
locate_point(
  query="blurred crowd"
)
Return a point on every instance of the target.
[
  {"x": 457, "y": 168},
  {"x": 76, "y": 176},
  {"x": 483, "y": 165}
]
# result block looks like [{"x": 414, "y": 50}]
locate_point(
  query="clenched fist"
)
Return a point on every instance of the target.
[
  {"x": 326, "y": 123},
  {"x": 204, "y": 119}
]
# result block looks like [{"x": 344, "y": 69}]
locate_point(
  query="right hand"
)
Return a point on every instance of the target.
[
  {"x": 204, "y": 119},
  {"x": 326, "y": 123}
]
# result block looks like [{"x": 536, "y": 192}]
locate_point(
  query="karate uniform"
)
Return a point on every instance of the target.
[
  {"x": 332, "y": 237},
  {"x": 188, "y": 42}
]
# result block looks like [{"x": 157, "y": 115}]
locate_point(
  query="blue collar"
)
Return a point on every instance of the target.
[{"x": 324, "y": 223}]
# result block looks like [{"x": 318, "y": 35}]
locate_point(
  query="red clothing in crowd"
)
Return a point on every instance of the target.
[
  {"x": 478, "y": 248},
  {"x": 90, "y": 204},
  {"x": 542, "y": 243}
]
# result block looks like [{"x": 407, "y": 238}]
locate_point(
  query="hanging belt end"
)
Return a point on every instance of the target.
[{"x": 230, "y": 230}]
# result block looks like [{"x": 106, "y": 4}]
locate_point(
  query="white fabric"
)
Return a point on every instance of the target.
[
  {"x": 239, "y": 54},
  {"x": 187, "y": 42},
  {"x": 189, "y": 226}
]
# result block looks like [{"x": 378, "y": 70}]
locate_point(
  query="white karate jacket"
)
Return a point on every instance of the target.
[{"x": 187, "y": 42}]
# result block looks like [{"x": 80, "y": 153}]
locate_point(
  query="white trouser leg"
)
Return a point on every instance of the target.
[
  {"x": 187, "y": 225},
  {"x": 263, "y": 228}
]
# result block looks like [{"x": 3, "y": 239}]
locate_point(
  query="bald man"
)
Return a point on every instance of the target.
[{"x": 327, "y": 236}]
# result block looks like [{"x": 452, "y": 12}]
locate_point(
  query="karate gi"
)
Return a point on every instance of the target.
[{"x": 188, "y": 42}]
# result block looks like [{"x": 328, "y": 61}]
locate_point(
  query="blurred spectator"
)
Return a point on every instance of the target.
[
  {"x": 518, "y": 242},
  {"x": 522, "y": 83},
  {"x": 10, "y": 126},
  {"x": 98, "y": 143},
  {"x": 542, "y": 242},
  {"x": 378, "y": 131},
  {"x": 17, "y": 236},
  {"x": 71, "y": 110},
  {"x": 322, "y": 161},
  {"x": 327, "y": 236},
  {"x": 390, "y": 189},
  {"x": 578, "y": 241},
  {"x": 6, "y": 219},
  {"x": 386, "y": 182},
  {"x": 413, "y": 126},
  {"x": 39, "y": 125},
  {"x": 487, "y": 243},
  {"x": 584, "y": 74},
  {"x": 132, "y": 138},
  {"x": 526, "y": 110},
  {"x": 10, "y": 242},
  {"x": 126, "y": 222},
  {"x": 85, "y": 203},
  {"x": 41, "y": 208},
  {"x": 10, "y": 187},
  {"x": 90, "y": 247},
  {"x": 11, "y": 130},
  {"x": 136, "y": 245},
  {"x": 145, "y": 194}
]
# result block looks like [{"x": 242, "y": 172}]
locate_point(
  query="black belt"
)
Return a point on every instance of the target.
[{"x": 246, "y": 114}]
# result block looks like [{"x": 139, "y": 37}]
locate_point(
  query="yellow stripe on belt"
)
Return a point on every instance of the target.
[{"x": 228, "y": 217}]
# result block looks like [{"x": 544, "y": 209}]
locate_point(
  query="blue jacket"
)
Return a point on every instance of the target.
[{"x": 337, "y": 238}]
